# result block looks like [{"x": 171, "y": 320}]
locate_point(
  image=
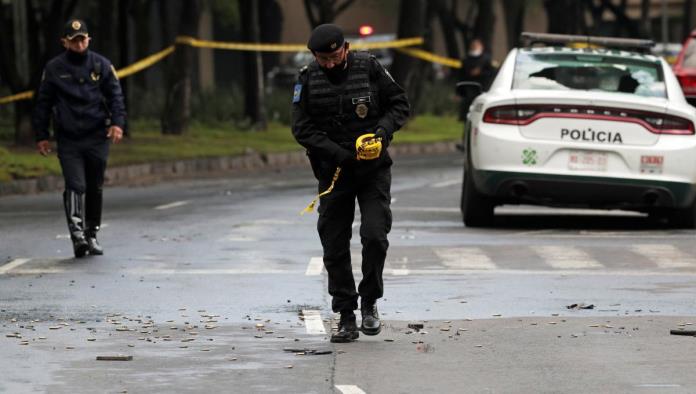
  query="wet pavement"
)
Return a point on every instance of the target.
[{"x": 215, "y": 285}]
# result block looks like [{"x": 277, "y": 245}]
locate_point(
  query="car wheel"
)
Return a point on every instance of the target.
[
  {"x": 477, "y": 211},
  {"x": 684, "y": 218}
]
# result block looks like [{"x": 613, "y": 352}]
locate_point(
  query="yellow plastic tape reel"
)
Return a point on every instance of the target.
[{"x": 368, "y": 147}]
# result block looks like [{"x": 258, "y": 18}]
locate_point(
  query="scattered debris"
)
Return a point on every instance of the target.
[
  {"x": 689, "y": 333},
  {"x": 416, "y": 326},
  {"x": 307, "y": 351},
  {"x": 580, "y": 306},
  {"x": 118, "y": 357}
]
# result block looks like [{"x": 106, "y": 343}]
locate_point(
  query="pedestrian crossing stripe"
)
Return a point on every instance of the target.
[{"x": 641, "y": 258}]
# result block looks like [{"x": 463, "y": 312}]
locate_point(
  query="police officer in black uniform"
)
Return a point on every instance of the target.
[
  {"x": 340, "y": 96},
  {"x": 81, "y": 93}
]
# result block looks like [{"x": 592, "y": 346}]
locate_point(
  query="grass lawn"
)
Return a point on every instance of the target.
[{"x": 148, "y": 145}]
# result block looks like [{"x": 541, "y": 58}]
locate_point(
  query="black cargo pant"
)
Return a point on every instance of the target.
[
  {"x": 83, "y": 161},
  {"x": 370, "y": 184}
]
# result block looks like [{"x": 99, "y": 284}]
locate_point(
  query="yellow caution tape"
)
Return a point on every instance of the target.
[
  {"x": 240, "y": 46},
  {"x": 431, "y": 57},
  {"x": 145, "y": 63},
  {"x": 311, "y": 205},
  {"x": 17, "y": 97},
  {"x": 263, "y": 47}
]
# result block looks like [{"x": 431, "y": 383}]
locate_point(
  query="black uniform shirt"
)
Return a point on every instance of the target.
[
  {"x": 83, "y": 94},
  {"x": 392, "y": 99}
]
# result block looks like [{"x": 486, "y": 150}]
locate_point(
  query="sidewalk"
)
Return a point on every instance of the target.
[{"x": 148, "y": 173}]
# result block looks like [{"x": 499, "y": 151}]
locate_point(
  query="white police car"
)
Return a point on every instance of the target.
[{"x": 581, "y": 127}]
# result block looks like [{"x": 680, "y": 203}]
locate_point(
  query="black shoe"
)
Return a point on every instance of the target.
[
  {"x": 347, "y": 329},
  {"x": 94, "y": 247},
  {"x": 370, "y": 319},
  {"x": 80, "y": 245}
]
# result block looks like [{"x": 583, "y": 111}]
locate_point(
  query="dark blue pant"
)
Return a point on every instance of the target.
[
  {"x": 84, "y": 163},
  {"x": 370, "y": 185}
]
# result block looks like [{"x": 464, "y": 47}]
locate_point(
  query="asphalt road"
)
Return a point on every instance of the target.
[{"x": 215, "y": 285}]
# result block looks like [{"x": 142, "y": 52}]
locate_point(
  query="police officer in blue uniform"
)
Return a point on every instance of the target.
[
  {"x": 340, "y": 96},
  {"x": 81, "y": 93}
]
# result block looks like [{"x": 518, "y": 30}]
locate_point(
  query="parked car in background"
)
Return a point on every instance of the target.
[
  {"x": 588, "y": 127},
  {"x": 685, "y": 68}
]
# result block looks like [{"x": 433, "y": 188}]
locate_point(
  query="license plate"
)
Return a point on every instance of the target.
[{"x": 583, "y": 160}]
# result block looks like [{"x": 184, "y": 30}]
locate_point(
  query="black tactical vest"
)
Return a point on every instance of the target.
[{"x": 348, "y": 110}]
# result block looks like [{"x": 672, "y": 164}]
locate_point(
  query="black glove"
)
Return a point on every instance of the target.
[{"x": 382, "y": 133}]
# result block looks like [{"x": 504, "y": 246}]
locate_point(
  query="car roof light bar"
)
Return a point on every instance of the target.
[{"x": 530, "y": 39}]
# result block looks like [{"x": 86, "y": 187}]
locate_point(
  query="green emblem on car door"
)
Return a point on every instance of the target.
[{"x": 529, "y": 157}]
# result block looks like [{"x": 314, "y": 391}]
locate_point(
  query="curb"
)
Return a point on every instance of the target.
[{"x": 148, "y": 173}]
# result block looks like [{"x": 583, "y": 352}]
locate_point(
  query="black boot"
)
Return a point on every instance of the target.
[
  {"x": 74, "y": 214},
  {"x": 93, "y": 211},
  {"x": 370, "y": 318},
  {"x": 347, "y": 329}
]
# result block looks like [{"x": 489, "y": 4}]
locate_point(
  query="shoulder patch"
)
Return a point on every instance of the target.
[{"x": 297, "y": 93}]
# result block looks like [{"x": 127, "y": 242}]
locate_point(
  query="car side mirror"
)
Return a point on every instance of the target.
[{"x": 467, "y": 88}]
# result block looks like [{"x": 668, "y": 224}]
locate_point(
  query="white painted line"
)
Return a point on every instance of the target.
[
  {"x": 523, "y": 272},
  {"x": 313, "y": 322},
  {"x": 41, "y": 271},
  {"x": 349, "y": 389},
  {"x": 465, "y": 258},
  {"x": 398, "y": 271},
  {"x": 658, "y": 385},
  {"x": 172, "y": 205},
  {"x": 449, "y": 183},
  {"x": 665, "y": 255},
  {"x": 315, "y": 266},
  {"x": 12, "y": 265},
  {"x": 212, "y": 271},
  {"x": 566, "y": 257}
]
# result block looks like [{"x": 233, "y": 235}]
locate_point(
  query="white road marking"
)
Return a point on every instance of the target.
[
  {"x": 398, "y": 271},
  {"x": 212, "y": 271},
  {"x": 172, "y": 205},
  {"x": 465, "y": 258},
  {"x": 349, "y": 389},
  {"x": 12, "y": 265},
  {"x": 315, "y": 266},
  {"x": 566, "y": 257},
  {"x": 313, "y": 322},
  {"x": 665, "y": 255},
  {"x": 449, "y": 183}
]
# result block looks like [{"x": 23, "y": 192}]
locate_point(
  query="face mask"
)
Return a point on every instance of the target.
[
  {"x": 337, "y": 70},
  {"x": 476, "y": 53}
]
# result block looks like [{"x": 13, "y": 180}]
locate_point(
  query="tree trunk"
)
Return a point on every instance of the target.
[
  {"x": 514, "y": 20},
  {"x": 254, "y": 105},
  {"x": 686, "y": 24},
  {"x": 271, "y": 21},
  {"x": 483, "y": 26},
  {"x": 449, "y": 29},
  {"x": 645, "y": 23},
  {"x": 141, "y": 18},
  {"x": 565, "y": 16},
  {"x": 408, "y": 71},
  {"x": 177, "y": 112}
]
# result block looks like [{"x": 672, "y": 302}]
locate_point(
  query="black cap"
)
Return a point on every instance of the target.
[
  {"x": 74, "y": 28},
  {"x": 325, "y": 38}
]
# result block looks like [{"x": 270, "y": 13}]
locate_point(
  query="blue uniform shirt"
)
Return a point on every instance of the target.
[{"x": 82, "y": 93}]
